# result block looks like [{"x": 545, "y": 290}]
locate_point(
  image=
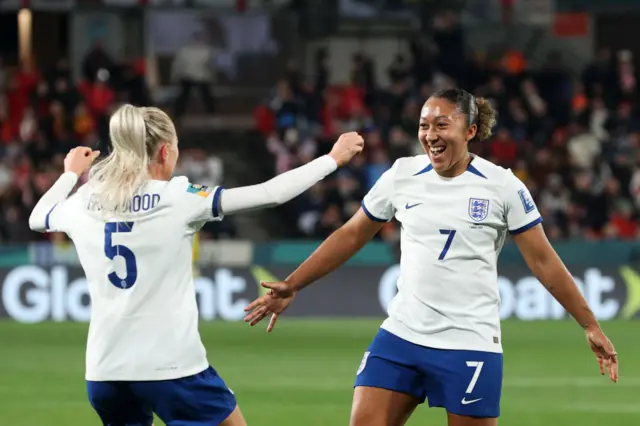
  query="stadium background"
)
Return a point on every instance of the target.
[{"x": 287, "y": 77}]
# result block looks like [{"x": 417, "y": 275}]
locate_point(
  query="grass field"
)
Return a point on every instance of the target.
[{"x": 302, "y": 374}]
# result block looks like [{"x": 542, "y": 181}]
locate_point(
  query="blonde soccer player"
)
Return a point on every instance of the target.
[{"x": 133, "y": 225}]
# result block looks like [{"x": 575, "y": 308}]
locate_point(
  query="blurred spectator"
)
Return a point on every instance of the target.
[
  {"x": 83, "y": 122},
  {"x": 583, "y": 147},
  {"x": 200, "y": 167},
  {"x": 554, "y": 202},
  {"x": 193, "y": 67},
  {"x": 573, "y": 140},
  {"x": 600, "y": 73},
  {"x": 97, "y": 60},
  {"x": 285, "y": 106},
  {"x": 378, "y": 164},
  {"x": 399, "y": 71},
  {"x": 503, "y": 149}
]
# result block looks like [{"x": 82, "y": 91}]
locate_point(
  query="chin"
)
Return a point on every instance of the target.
[{"x": 441, "y": 168}]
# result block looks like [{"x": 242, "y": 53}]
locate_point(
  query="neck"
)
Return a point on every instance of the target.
[
  {"x": 458, "y": 168},
  {"x": 156, "y": 172}
]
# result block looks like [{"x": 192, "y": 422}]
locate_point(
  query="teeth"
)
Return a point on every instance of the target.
[{"x": 437, "y": 149}]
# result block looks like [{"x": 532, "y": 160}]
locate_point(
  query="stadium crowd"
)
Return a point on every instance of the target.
[
  {"x": 43, "y": 114},
  {"x": 573, "y": 139}
]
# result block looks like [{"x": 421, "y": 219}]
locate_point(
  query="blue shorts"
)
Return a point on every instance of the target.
[
  {"x": 198, "y": 400},
  {"x": 467, "y": 383}
]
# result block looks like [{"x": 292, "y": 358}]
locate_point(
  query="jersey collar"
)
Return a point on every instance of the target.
[{"x": 470, "y": 168}]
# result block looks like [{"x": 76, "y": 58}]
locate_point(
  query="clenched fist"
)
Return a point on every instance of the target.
[
  {"x": 79, "y": 159},
  {"x": 348, "y": 146}
]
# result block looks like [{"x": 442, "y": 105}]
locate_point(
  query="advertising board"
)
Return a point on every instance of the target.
[{"x": 33, "y": 294}]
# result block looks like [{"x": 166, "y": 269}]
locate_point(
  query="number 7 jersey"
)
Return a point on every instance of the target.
[
  {"x": 144, "y": 316},
  {"x": 452, "y": 232}
]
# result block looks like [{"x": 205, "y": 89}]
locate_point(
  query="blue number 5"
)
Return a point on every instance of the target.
[
  {"x": 451, "y": 233},
  {"x": 112, "y": 251}
]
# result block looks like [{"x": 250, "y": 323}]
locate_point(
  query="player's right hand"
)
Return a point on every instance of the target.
[
  {"x": 279, "y": 297},
  {"x": 79, "y": 159},
  {"x": 348, "y": 145}
]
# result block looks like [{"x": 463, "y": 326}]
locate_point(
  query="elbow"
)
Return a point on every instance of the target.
[
  {"x": 35, "y": 224},
  {"x": 38, "y": 221},
  {"x": 275, "y": 198}
]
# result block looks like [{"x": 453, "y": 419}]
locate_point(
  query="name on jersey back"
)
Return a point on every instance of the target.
[{"x": 138, "y": 203}]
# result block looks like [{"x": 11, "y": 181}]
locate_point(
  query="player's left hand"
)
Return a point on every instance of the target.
[
  {"x": 276, "y": 301},
  {"x": 605, "y": 352}
]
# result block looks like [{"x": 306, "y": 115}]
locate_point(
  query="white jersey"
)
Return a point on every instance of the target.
[
  {"x": 452, "y": 232},
  {"x": 144, "y": 316}
]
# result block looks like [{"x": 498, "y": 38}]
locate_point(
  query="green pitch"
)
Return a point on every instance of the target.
[{"x": 302, "y": 373}]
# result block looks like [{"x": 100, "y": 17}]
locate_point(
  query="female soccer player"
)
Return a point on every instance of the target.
[
  {"x": 133, "y": 226},
  {"x": 442, "y": 338}
]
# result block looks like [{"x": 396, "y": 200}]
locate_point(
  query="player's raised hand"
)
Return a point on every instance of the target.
[
  {"x": 348, "y": 145},
  {"x": 79, "y": 159},
  {"x": 278, "y": 298},
  {"x": 605, "y": 352}
]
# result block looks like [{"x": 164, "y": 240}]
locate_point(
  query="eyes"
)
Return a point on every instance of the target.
[{"x": 440, "y": 125}]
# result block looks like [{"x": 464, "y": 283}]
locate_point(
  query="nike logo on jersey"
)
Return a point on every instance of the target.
[
  {"x": 410, "y": 206},
  {"x": 471, "y": 401}
]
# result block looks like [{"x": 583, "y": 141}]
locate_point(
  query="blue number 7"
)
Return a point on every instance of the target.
[
  {"x": 451, "y": 233},
  {"x": 112, "y": 251}
]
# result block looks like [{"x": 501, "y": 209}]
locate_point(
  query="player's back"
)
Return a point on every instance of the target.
[{"x": 144, "y": 319}]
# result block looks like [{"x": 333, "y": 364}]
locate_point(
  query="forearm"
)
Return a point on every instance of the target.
[
  {"x": 278, "y": 190},
  {"x": 56, "y": 194},
  {"x": 332, "y": 253},
  {"x": 552, "y": 273}
]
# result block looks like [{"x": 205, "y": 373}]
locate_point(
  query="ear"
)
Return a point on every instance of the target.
[
  {"x": 471, "y": 132},
  {"x": 163, "y": 152}
]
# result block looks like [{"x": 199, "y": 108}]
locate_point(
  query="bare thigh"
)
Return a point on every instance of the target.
[
  {"x": 381, "y": 407},
  {"x": 456, "y": 420},
  {"x": 234, "y": 419}
]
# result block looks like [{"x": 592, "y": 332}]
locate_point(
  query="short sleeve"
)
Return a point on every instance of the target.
[
  {"x": 201, "y": 203},
  {"x": 521, "y": 213},
  {"x": 377, "y": 204}
]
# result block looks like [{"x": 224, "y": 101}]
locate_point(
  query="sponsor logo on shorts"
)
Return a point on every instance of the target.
[{"x": 363, "y": 363}]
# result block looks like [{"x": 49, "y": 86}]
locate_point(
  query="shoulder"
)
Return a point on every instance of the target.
[
  {"x": 495, "y": 175},
  {"x": 180, "y": 185},
  {"x": 179, "y": 188},
  {"x": 411, "y": 166}
]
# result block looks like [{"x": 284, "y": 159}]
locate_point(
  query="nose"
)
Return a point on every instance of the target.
[{"x": 431, "y": 136}]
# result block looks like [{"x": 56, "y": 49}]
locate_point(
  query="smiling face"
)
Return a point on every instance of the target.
[{"x": 444, "y": 134}]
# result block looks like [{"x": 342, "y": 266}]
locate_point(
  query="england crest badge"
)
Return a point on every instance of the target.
[{"x": 478, "y": 209}]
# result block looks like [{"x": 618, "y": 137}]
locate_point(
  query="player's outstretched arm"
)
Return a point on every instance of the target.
[
  {"x": 546, "y": 265},
  {"x": 332, "y": 253},
  {"x": 77, "y": 162},
  {"x": 289, "y": 185}
]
